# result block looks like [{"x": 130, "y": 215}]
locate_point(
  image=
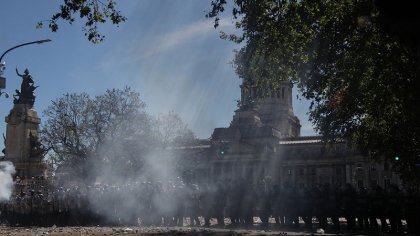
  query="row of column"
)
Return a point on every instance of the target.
[
  {"x": 297, "y": 175},
  {"x": 260, "y": 93}
]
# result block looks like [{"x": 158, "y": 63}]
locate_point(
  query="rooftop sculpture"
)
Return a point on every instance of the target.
[{"x": 27, "y": 88}]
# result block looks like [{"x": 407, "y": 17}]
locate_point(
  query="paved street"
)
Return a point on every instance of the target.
[{"x": 96, "y": 231}]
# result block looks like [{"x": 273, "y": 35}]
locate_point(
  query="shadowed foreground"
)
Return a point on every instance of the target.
[{"x": 94, "y": 231}]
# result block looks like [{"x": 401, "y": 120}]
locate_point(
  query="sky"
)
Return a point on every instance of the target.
[{"x": 166, "y": 50}]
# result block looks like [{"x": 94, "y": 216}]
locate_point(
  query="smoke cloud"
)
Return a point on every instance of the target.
[
  {"x": 127, "y": 193},
  {"x": 6, "y": 180}
]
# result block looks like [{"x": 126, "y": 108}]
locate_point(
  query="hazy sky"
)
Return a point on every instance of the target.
[{"x": 167, "y": 50}]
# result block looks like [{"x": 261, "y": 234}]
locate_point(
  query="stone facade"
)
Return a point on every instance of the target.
[
  {"x": 21, "y": 135},
  {"x": 263, "y": 143}
]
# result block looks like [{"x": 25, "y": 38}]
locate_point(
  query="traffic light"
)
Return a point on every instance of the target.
[
  {"x": 222, "y": 147},
  {"x": 222, "y": 151},
  {"x": 396, "y": 158}
]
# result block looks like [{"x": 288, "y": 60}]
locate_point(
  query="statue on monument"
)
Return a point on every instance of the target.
[
  {"x": 36, "y": 147},
  {"x": 27, "y": 88},
  {"x": 4, "y": 149}
]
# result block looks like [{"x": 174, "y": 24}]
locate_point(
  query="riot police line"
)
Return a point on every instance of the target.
[{"x": 237, "y": 203}]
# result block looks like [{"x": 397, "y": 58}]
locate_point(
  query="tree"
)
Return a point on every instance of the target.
[
  {"x": 360, "y": 70},
  {"x": 92, "y": 12},
  {"x": 172, "y": 131},
  {"x": 110, "y": 136},
  {"x": 112, "y": 129}
]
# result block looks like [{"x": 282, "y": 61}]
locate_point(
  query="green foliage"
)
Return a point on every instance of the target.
[
  {"x": 170, "y": 130},
  {"x": 92, "y": 12},
  {"x": 79, "y": 130},
  {"x": 361, "y": 76}
]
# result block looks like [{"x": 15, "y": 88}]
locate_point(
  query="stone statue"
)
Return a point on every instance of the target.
[
  {"x": 27, "y": 88},
  {"x": 27, "y": 80},
  {"x": 4, "y": 149},
  {"x": 36, "y": 147}
]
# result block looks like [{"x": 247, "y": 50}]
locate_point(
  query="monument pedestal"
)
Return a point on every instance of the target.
[{"x": 22, "y": 144}]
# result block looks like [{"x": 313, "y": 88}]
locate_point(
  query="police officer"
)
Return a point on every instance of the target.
[
  {"x": 348, "y": 205},
  {"x": 394, "y": 209},
  {"x": 362, "y": 207}
]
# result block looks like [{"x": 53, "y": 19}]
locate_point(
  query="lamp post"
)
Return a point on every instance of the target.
[{"x": 3, "y": 64}]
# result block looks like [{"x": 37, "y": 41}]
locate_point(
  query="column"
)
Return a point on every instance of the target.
[{"x": 349, "y": 176}]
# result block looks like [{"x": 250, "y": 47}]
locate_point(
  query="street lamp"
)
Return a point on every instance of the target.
[{"x": 3, "y": 64}]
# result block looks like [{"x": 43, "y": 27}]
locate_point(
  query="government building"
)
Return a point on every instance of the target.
[{"x": 263, "y": 143}]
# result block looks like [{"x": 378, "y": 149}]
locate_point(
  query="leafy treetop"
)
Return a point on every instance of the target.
[{"x": 93, "y": 12}]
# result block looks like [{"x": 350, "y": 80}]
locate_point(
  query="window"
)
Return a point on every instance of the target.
[
  {"x": 289, "y": 171},
  {"x": 360, "y": 183},
  {"x": 218, "y": 169},
  {"x": 373, "y": 183},
  {"x": 301, "y": 171},
  {"x": 313, "y": 171},
  {"x": 282, "y": 92},
  {"x": 387, "y": 183},
  {"x": 386, "y": 166},
  {"x": 338, "y": 170}
]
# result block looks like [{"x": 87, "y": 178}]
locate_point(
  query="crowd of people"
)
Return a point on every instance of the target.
[{"x": 234, "y": 204}]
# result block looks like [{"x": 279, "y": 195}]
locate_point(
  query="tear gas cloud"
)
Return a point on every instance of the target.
[
  {"x": 132, "y": 175},
  {"x": 120, "y": 197},
  {"x": 6, "y": 180}
]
